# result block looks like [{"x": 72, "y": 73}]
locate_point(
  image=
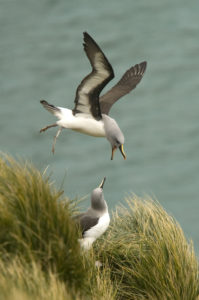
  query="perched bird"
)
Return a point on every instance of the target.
[
  {"x": 90, "y": 114},
  {"x": 95, "y": 221}
]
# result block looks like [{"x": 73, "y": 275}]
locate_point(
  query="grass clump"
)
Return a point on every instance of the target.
[
  {"x": 38, "y": 237},
  {"x": 144, "y": 253},
  {"x": 20, "y": 280},
  {"x": 148, "y": 254},
  {"x": 35, "y": 222}
]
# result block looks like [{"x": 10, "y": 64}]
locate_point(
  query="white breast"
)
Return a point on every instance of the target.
[
  {"x": 83, "y": 123},
  {"x": 100, "y": 228},
  {"x": 96, "y": 231}
]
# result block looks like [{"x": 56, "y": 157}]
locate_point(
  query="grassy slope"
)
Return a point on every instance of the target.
[
  {"x": 144, "y": 252},
  {"x": 148, "y": 254}
]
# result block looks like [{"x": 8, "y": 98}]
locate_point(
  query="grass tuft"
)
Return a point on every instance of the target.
[
  {"x": 148, "y": 254},
  {"x": 144, "y": 253},
  {"x": 20, "y": 280},
  {"x": 35, "y": 222}
]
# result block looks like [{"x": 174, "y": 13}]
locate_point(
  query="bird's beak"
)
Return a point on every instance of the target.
[
  {"x": 113, "y": 151},
  {"x": 122, "y": 151},
  {"x": 102, "y": 183}
]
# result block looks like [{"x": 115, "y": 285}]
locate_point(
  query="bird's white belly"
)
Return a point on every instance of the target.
[
  {"x": 89, "y": 126},
  {"x": 84, "y": 124},
  {"x": 98, "y": 229}
]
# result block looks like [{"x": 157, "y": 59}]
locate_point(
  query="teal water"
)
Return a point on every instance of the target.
[{"x": 41, "y": 57}]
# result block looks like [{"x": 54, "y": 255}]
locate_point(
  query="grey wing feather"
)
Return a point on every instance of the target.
[
  {"x": 126, "y": 84},
  {"x": 86, "y": 222},
  {"x": 87, "y": 94}
]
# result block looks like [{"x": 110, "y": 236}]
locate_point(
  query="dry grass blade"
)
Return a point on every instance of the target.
[{"x": 148, "y": 254}]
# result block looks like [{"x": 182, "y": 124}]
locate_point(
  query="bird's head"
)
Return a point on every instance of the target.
[
  {"x": 114, "y": 135},
  {"x": 97, "y": 197},
  {"x": 117, "y": 142}
]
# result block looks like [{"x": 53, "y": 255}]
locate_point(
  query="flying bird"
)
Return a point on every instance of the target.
[
  {"x": 95, "y": 221},
  {"x": 91, "y": 112}
]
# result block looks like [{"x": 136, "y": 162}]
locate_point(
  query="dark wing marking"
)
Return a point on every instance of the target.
[
  {"x": 87, "y": 94},
  {"x": 127, "y": 83},
  {"x": 86, "y": 222}
]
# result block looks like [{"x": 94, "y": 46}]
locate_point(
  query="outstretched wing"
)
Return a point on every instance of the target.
[
  {"x": 86, "y": 222},
  {"x": 87, "y": 94},
  {"x": 127, "y": 83}
]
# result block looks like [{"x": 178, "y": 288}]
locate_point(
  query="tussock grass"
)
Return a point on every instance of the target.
[
  {"x": 35, "y": 222},
  {"x": 36, "y": 226},
  {"x": 145, "y": 254},
  {"x": 148, "y": 254},
  {"x": 20, "y": 280}
]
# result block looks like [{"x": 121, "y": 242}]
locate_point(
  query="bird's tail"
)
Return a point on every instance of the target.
[
  {"x": 86, "y": 243},
  {"x": 51, "y": 108}
]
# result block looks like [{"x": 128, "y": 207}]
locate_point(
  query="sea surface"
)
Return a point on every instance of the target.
[{"x": 42, "y": 57}]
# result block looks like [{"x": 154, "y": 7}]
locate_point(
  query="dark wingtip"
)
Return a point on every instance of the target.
[
  {"x": 139, "y": 68},
  {"x": 86, "y": 35},
  {"x": 143, "y": 64},
  {"x": 88, "y": 38}
]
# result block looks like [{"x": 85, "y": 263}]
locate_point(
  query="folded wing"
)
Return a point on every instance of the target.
[{"x": 86, "y": 222}]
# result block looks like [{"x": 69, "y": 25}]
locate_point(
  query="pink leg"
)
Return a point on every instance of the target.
[
  {"x": 55, "y": 139},
  {"x": 47, "y": 127}
]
